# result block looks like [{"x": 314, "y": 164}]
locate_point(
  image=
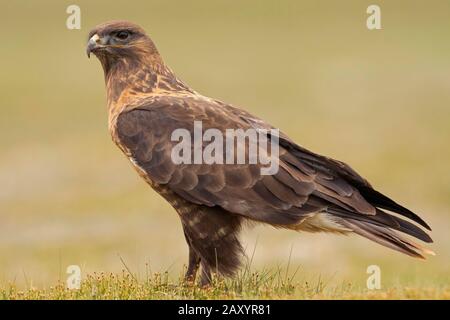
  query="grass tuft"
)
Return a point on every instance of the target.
[{"x": 265, "y": 284}]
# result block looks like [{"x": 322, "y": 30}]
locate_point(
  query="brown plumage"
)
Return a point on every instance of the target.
[{"x": 310, "y": 192}]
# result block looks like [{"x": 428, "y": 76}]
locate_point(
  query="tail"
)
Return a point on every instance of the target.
[{"x": 382, "y": 228}]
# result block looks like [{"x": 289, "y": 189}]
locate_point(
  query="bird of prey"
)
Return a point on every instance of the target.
[{"x": 309, "y": 192}]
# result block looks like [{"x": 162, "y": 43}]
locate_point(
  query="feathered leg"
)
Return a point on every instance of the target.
[
  {"x": 194, "y": 261},
  {"x": 205, "y": 278},
  {"x": 194, "y": 264},
  {"x": 212, "y": 236}
]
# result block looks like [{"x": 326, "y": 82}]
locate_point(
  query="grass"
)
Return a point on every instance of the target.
[
  {"x": 256, "y": 285},
  {"x": 269, "y": 283}
]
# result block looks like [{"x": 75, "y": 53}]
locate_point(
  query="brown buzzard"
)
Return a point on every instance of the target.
[{"x": 309, "y": 192}]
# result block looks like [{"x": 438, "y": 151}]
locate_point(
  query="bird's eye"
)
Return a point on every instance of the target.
[{"x": 122, "y": 35}]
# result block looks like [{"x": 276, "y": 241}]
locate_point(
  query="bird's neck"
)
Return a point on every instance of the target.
[{"x": 128, "y": 79}]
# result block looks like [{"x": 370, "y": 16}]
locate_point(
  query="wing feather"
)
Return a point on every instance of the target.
[{"x": 306, "y": 183}]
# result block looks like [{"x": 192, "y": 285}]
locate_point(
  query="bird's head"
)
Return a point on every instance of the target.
[{"x": 116, "y": 41}]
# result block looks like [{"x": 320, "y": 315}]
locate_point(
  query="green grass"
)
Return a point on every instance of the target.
[{"x": 255, "y": 285}]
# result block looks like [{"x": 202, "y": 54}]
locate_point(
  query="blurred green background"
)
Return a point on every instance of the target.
[{"x": 378, "y": 100}]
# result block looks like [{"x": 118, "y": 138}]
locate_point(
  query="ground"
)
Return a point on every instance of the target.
[{"x": 255, "y": 285}]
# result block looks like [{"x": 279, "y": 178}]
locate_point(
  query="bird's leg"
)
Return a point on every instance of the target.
[
  {"x": 194, "y": 264},
  {"x": 194, "y": 260},
  {"x": 205, "y": 278},
  {"x": 212, "y": 236}
]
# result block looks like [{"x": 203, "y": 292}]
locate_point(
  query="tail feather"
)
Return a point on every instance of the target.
[
  {"x": 387, "y": 238},
  {"x": 382, "y": 228},
  {"x": 384, "y": 219},
  {"x": 378, "y": 199}
]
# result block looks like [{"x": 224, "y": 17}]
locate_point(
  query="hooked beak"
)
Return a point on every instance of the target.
[{"x": 94, "y": 43}]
